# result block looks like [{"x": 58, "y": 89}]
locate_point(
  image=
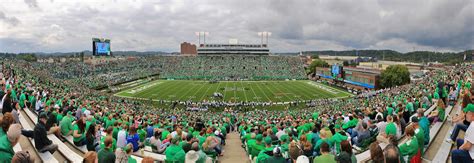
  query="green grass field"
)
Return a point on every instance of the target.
[{"x": 258, "y": 91}]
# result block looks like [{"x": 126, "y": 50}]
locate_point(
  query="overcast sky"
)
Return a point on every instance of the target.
[{"x": 297, "y": 25}]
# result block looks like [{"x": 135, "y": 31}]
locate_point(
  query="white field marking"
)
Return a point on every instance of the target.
[
  {"x": 142, "y": 88},
  {"x": 328, "y": 89}
]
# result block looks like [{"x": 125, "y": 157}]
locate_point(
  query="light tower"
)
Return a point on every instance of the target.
[
  {"x": 203, "y": 34},
  {"x": 265, "y": 35}
]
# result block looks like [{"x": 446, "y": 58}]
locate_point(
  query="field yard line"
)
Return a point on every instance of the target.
[
  {"x": 136, "y": 87},
  {"x": 345, "y": 94},
  {"x": 322, "y": 94},
  {"x": 263, "y": 92},
  {"x": 189, "y": 89},
  {"x": 204, "y": 94},
  {"x": 245, "y": 93},
  {"x": 299, "y": 98},
  {"x": 255, "y": 95},
  {"x": 223, "y": 95},
  {"x": 169, "y": 89},
  {"x": 235, "y": 90},
  {"x": 303, "y": 92},
  {"x": 151, "y": 90},
  {"x": 194, "y": 94},
  {"x": 273, "y": 85}
]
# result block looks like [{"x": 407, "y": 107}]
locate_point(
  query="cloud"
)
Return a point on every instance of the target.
[
  {"x": 13, "y": 21},
  {"x": 32, "y": 3},
  {"x": 145, "y": 25}
]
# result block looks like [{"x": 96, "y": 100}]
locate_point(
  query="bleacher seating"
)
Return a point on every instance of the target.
[
  {"x": 445, "y": 148},
  {"x": 63, "y": 148},
  {"x": 45, "y": 156}
]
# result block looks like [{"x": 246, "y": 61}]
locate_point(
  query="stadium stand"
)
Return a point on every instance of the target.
[{"x": 329, "y": 128}]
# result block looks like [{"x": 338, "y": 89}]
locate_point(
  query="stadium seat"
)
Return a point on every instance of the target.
[
  {"x": 45, "y": 156},
  {"x": 63, "y": 148}
]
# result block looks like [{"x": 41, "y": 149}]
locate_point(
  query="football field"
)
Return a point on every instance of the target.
[{"x": 256, "y": 91}]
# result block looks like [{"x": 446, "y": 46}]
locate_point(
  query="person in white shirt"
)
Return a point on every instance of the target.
[
  {"x": 157, "y": 145},
  {"x": 122, "y": 137},
  {"x": 465, "y": 151},
  {"x": 280, "y": 132}
]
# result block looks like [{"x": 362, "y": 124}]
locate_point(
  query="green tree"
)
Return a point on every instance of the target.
[
  {"x": 394, "y": 75},
  {"x": 30, "y": 57},
  {"x": 316, "y": 63}
]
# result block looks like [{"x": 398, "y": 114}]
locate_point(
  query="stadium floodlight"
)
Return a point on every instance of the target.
[
  {"x": 261, "y": 37},
  {"x": 205, "y": 34},
  {"x": 265, "y": 35},
  {"x": 198, "y": 34},
  {"x": 268, "y": 34}
]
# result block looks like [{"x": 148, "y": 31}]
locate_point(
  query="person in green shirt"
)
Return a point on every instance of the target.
[
  {"x": 251, "y": 142},
  {"x": 79, "y": 132},
  {"x": 391, "y": 128},
  {"x": 389, "y": 110},
  {"x": 409, "y": 148},
  {"x": 265, "y": 153},
  {"x": 258, "y": 146},
  {"x": 409, "y": 106},
  {"x": 105, "y": 155},
  {"x": 351, "y": 124},
  {"x": 108, "y": 133},
  {"x": 22, "y": 100},
  {"x": 325, "y": 156},
  {"x": 284, "y": 143},
  {"x": 129, "y": 150},
  {"x": 441, "y": 110},
  {"x": 324, "y": 139},
  {"x": 142, "y": 133},
  {"x": 419, "y": 134},
  {"x": 8, "y": 141},
  {"x": 337, "y": 138},
  {"x": 175, "y": 153},
  {"x": 66, "y": 124}
]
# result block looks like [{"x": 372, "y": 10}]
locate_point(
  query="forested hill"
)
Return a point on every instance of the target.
[{"x": 416, "y": 56}]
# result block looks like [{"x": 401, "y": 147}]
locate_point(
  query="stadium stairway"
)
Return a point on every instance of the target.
[
  {"x": 72, "y": 156},
  {"x": 233, "y": 154},
  {"x": 440, "y": 151},
  {"x": 434, "y": 130}
]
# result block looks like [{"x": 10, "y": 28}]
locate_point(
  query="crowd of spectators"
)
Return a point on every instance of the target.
[{"x": 113, "y": 129}]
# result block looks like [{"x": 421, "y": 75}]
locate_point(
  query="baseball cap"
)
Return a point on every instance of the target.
[
  {"x": 43, "y": 115},
  {"x": 284, "y": 138},
  {"x": 259, "y": 137},
  {"x": 268, "y": 140},
  {"x": 469, "y": 108},
  {"x": 414, "y": 119}
]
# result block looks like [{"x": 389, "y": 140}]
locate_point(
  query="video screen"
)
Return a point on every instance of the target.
[
  {"x": 335, "y": 69},
  {"x": 101, "y": 48}
]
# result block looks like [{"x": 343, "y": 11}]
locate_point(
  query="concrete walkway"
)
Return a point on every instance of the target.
[{"x": 233, "y": 151}]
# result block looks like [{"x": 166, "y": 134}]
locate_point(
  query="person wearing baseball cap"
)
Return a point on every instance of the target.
[
  {"x": 42, "y": 142},
  {"x": 257, "y": 146},
  {"x": 465, "y": 148},
  {"x": 277, "y": 156},
  {"x": 267, "y": 152}
]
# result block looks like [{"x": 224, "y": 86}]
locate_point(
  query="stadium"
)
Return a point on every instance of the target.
[{"x": 87, "y": 82}]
